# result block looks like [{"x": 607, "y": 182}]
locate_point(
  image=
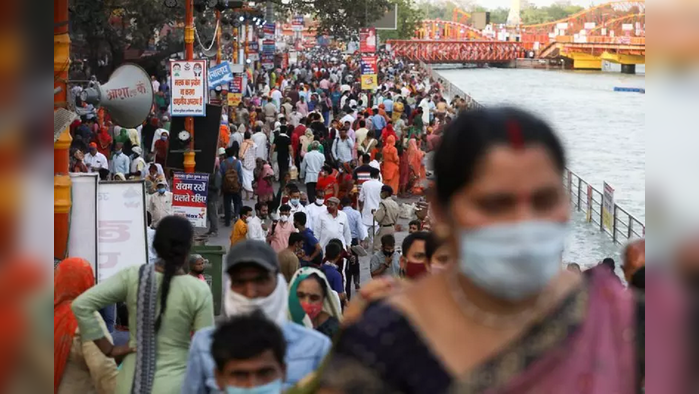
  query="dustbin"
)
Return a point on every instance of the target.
[{"x": 213, "y": 272}]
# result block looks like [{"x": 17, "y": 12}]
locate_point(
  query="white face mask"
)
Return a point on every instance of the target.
[
  {"x": 515, "y": 260},
  {"x": 274, "y": 306},
  {"x": 284, "y": 218},
  {"x": 320, "y": 201}
]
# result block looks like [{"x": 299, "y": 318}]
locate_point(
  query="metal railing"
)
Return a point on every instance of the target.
[
  {"x": 622, "y": 226},
  {"x": 584, "y": 197}
]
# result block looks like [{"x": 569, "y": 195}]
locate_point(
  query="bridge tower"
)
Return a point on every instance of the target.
[{"x": 513, "y": 18}]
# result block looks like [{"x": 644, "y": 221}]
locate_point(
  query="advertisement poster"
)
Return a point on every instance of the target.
[
  {"x": 297, "y": 23},
  {"x": 608, "y": 207},
  {"x": 189, "y": 193},
  {"x": 367, "y": 40},
  {"x": 369, "y": 82},
  {"x": 121, "y": 228},
  {"x": 268, "y": 47},
  {"x": 253, "y": 51},
  {"x": 82, "y": 241},
  {"x": 235, "y": 91},
  {"x": 220, "y": 74},
  {"x": 188, "y": 88},
  {"x": 268, "y": 31},
  {"x": 267, "y": 61},
  {"x": 369, "y": 71}
]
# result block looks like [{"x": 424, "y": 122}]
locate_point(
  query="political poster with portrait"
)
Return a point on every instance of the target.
[
  {"x": 367, "y": 40},
  {"x": 189, "y": 87},
  {"x": 121, "y": 227},
  {"x": 369, "y": 72},
  {"x": 189, "y": 195}
]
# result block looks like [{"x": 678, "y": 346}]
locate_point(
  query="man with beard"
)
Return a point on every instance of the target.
[{"x": 256, "y": 284}]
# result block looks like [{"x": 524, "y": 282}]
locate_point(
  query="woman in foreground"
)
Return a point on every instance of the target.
[{"x": 507, "y": 318}]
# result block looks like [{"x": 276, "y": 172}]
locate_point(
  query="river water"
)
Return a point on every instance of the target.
[{"x": 603, "y": 132}]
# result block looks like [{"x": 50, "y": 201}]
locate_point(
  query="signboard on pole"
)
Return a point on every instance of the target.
[
  {"x": 297, "y": 23},
  {"x": 608, "y": 207},
  {"x": 268, "y": 31},
  {"x": 188, "y": 88},
  {"x": 121, "y": 227},
  {"x": 220, "y": 74},
  {"x": 82, "y": 241},
  {"x": 367, "y": 40},
  {"x": 267, "y": 61},
  {"x": 189, "y": 193},
  {"x": 369, "y": 70},
  {"x": 235, "y": 91},
  {"x": 253, "y": 51}
]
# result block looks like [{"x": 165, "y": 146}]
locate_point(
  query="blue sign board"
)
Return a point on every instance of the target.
[{"x": 220, "y": 74}]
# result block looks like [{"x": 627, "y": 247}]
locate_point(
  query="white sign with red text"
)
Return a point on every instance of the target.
[
  {"x": 189, "y": 87},
  {"x": 121, "y": 227}
]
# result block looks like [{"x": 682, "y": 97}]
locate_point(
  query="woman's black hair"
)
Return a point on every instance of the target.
[
  {"x": 469, "y": 137},
  {"x": 172, "y": 241},
  {"x": 321, "y": 283}
]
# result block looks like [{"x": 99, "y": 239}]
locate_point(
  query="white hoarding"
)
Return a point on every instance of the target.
[
  {"x": 121, "y": 226},
  {"x": 82, "y": 238}
]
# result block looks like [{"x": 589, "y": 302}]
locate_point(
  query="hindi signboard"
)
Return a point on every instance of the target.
[
  {"x": 367, "y": 40},
  {"x": 121, "y": 228},
  {"x": 268, "y": 31},
  {"x": 188, "y": 88},
  {"x": 220, "y": 74},
  {"x": 369, "y": 71},
  {"x": 297, "y": 23},
  {"x": 189, "y": 194},
  {"x": 253, "y": 51},
  {"x": 267, "y": 61},
  {"x": 608, "y": 207}
]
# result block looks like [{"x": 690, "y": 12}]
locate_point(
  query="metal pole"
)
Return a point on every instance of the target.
[
  {"x": 218, "y": 37},
  {"x": 614, "y": 224},
  {"x": 189, "y": 162},
  {"x": 579, "y": 192},
  {"x": 629, "y": 234},
  {"x": 61, "y": 179}
]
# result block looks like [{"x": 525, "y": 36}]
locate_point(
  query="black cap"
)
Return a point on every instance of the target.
[
  {"x": 255, "y": 252},
  {"x": 387, "y": 189}
]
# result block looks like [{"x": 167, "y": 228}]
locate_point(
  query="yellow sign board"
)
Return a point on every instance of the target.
[
  {"x": 369, "y": 81},
  {"x": 234, "y": 99}
]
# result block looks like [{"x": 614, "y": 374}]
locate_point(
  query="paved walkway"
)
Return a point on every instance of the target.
[{"x": 224, "y": 235}]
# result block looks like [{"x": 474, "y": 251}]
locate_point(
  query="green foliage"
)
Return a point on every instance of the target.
[
  {"x": 409, "y": 18},
  {"x": 531, "y": 14},
  {"x": 340, "y": 18}
]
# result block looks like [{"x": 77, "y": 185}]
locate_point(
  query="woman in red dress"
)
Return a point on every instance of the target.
[{"x": 327, "y": 180}]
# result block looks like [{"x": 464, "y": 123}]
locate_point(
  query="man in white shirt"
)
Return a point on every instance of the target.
[
  {"x": 333, "y": 224},
  {"x": 94, "y": 160},
  {"x": 255, "y": 230},
  {"x": 294, "y": 201},
  {"x": 160, "y": 204},
  {"x": 138, "y": 165},
  {"x": 154, "y": 82},
  {"x": 276, "y": 96},
  {"x": 347, "y": 118},
  {"x": 314, "y": 209},
  {"x": 369, "y": 200},
  {"x": 343, "y": 147},
  {"x": 260, "y": 139},
  {"x": 311, "y": 166}
]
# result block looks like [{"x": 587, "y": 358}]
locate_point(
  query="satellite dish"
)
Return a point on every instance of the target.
[{"x": 128, "y": 96}]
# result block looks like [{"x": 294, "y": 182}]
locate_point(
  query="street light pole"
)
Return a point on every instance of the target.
[{"x": 189, "y": 162}]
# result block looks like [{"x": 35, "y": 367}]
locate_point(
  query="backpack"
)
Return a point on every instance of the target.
[{"x": 231, "y": 180}]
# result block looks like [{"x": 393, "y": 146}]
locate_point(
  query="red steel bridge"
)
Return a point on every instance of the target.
[{"x": 614, "y": 31}]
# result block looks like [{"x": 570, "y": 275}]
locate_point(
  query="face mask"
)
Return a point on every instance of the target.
[
  {"x": 163, "y": 138},
  {"x": 118, "y": 152},
  {"x": 295, "y": 201},
  {"x": 247, "y": 219},
  {"x": 513, "y": 261},
  {"x": 161, "y": 190},
  {"x": 415, "y": 270},
  {"x": 284, "y": 218},
  {"x": 312, "y": 310},
  {"x": 388, "y": 253},
  {"x": 275, "y": 306},
  {"x": 304, "y": 203},
  {"x": 320, "y": 201},
  {"x": 274, "y": 387}
]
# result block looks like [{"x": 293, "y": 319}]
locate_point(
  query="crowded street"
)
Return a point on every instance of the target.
[{"x": 272, "y": 209}]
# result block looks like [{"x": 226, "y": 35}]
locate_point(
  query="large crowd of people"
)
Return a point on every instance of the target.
[{"x": 309, "y": 167}]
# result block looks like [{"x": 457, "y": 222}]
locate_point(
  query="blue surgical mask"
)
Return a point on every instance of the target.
[
  {"x": 161, "y": 190},
  {"x": 274, "y": 387},
  {"x": 513, "y": 261},
  {"x": 295, "y": 201}
]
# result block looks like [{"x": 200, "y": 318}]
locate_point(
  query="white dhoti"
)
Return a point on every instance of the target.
[{"x": 248, "y": 177}]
